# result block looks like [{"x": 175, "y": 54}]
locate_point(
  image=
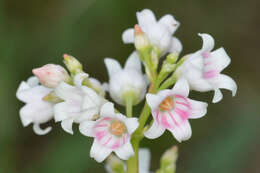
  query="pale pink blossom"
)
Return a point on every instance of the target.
[
  {"x": 172, "y": 109},
  {"x": 51, "y": 75},
  {"x": 111, "y": 132},
  {"x": 203, "y": 68}
]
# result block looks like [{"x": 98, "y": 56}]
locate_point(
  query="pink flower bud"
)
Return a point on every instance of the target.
[{"x": 51, "y": 75}]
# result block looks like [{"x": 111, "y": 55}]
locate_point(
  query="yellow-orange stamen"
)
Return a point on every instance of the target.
[
  {"x": 117, "y": 128},
  {"x": 167, "y": 104}
]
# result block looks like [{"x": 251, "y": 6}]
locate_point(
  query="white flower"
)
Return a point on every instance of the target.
[
  {"x": 159, "y": 33},
  {"x": 171, "y": 110},
  {"x": 36, "y": 110},
  {"x": 112, "y": 132},
  {"x": 51, "y": 75},
  {"x": 144, "y": 162},
  {"x": 80, "y": 103},
  {"x": 127, "y": 80},
  {"x": 203, "y": 68}
]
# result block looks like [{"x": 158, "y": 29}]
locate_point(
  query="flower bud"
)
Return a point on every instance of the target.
[
  {"x": 51, "y": 75},
  {"x": 168, "y": 160},
  {"x": 141, "y": 40},
  {"x": 172, "y": 58},
  {"x": 114, "y": 165},
  {"x": 72, "y": 64}
]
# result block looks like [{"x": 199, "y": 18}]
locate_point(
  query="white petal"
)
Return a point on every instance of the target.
[
  {"x": 133, "y": 62},
  {"x": 86, "y": 128},
  {"x": 132, "y": 124},
  {"x": 113, "y": 66},
  {"x": 33, "y": 81},
  {"x": 31, "y": 95},
  {"x": 39, "y": 131},
  {"x": 182, "y": 132},
  {"x": 98, "y": 152},
  {"x": 78, "y": 79},
  {"x": 91, "y": 98},
  {"x": 176, "y": 45},
  {"x": 125, "y": 151},
  {"x": 208, "y": 42},
  {"x": 107, "y": 110},
  {"x": 217, "y": 96},
  {"x": 169, "y": 21},
  {"x": 146, "y": 18},
  {"x": 87, "y": 114},
  {"x": 198, "y": 109},
  {"x": 67, "y": 125},
  {"x": 153, "y": 100},
  {"x": 220, "y": 59},
  {"x": 144, "y": 160},
  {"x": 128, "y": 36},
  {"x": 154, "y": 131},
  {"x": 226, "y": 82},
  {"x": 68, "y": 92},
  {"x": 65, "y": 110},
  {"x": 181, "y": 87}
]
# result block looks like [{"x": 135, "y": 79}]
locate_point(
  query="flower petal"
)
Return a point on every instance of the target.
[
  {"x": 146, "y": 18},
  {"x": 125, "y": 151},
  {"x": 68, "y": 92},
  {"x": 133, "y": 62},
  {"x": 31, "y": 95},
  {"x": 154, "y": 131},
  {"x": 226, "y": 82},
  {"x": 112, "y": 65},
  {"x": 86, "y": 128},
  {"x": 169, "y": 21},
  {"x": 176, "y": 45},
  {"x": 217, "y": 96},
  {"x": 67, "y": 125},
  {"x": 33, "y": 81},
  {"x": 220, "y": 59},
  {"x": 39, "y": 131},
  {"x": 78, "y": 79},
  {"x": 181, "y": 87},
  {"x": 208, "y": 42},
  {"x": 144, "y": 160},
  {"x": 91, "y": 99},
  {"x": 65, "y": 110},
  {"x": 107, "y": 110},
  {"x": 128, "y": 36},
  {"x": 182, "y": 132},
  {"x": 132, "y": 124},
  {"x": 198, "y": 109},
  {"x": 153, "y": 100},
  {"x": 98, "y": 152}
]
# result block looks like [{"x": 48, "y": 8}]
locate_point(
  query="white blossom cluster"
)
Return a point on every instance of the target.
[{"x": 73, "y": 97}]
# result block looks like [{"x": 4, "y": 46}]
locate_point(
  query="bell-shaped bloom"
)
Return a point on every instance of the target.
[
  {"x": 172, "y": 109},
  {"x": 112, "y": 132},
  {"x": 159, "y": 32},
  {"x": 129, "y": 80},
  {"x": 51, "y": 75},
  {"x": 80, "y": 103},
  {"x": 36, "y": 110},
  {"x": 203, "y": 68}
]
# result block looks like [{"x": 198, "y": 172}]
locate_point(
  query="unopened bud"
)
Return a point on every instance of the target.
[
  {"x": 168, "y": 160},
  {"x": 141, "y": 40},
  {"x": 72, "y": 64},
  {"x": 114, "y": 165},
  {"x": 51, "y": 75},
  {"x": 172, "y": 58}
]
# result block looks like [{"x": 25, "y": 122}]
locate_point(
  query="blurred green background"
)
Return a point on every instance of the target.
[{"x": 37, "y": 32}]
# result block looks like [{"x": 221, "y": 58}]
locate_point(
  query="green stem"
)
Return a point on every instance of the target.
[{"x": 129, "y": 106}]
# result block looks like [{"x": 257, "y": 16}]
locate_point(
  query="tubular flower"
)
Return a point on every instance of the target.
[
  {"x": 112, "y": 132},
  {"x": 129, "y": 80},
  {"x": 80, "y": 103},
  {"x": 36, "y": 110},
  {"x": 203, "y": 68},
  {"x": 159, "y": 32},
  {"x": 171, "y": 110}
]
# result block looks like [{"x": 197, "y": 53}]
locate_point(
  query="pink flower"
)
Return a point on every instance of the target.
[
  {"x": 51, "y": 75},
  {"x": 112, "y": 132},
  {"x": 172, "y": 109},
  {"x": 203, "y": 68}
]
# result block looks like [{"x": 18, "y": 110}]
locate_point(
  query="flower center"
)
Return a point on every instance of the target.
[
  {"x": 117, "y": 128},
  {"x": 167, "y": 104}
]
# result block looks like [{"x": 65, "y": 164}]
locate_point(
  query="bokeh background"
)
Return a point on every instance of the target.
[{"x": 37, "y": 32}]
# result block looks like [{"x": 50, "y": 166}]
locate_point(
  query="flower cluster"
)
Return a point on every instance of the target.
[{"x": 73, "y": 97}]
